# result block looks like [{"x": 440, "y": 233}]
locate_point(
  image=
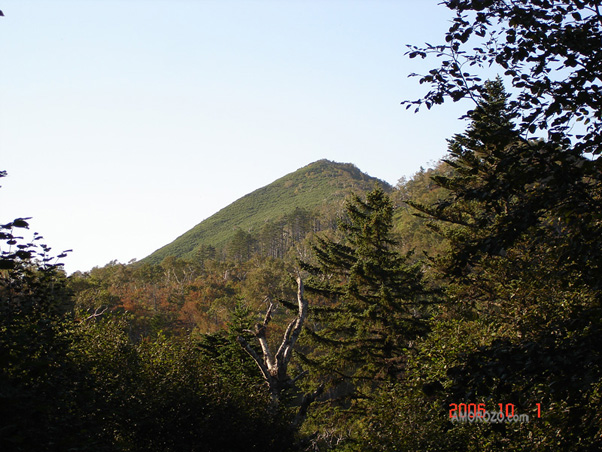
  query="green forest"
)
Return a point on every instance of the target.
[{"x": 458, "y": 311}]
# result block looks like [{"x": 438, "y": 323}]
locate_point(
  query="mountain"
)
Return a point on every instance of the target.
[{"x": 318, "y": 187}]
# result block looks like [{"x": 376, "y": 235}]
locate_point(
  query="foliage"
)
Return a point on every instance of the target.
[
  {"x": 523, "y": 284},
  {"x": 414, "y": 228},
  {"x": 180, "y": 296},
  {"x": 71, "y": 380},
  {"x": 227, "y": 356},
  {"x": 165, "y": 394},
  {"x": 549, "y": 50},
  {"x": 505, "y": 189},
  {"x": 88, "y": 384},
  {"x": 35, "y": 401}
]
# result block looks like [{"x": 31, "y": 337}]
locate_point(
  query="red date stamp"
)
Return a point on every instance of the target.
[{"x": 472, "y": 412}]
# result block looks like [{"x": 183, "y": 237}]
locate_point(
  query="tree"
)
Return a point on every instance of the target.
[
  {"x": 274, "y": 367},
  {"x": 550, "y": 51},
  {"x": 84, "y": 382},
  {"x": 505, "y": 187},
  {"x": 369, "y": 308},
  {"x": 38, "y": 404},
  {"x": 374, "y": 295},
  {"x": 523, "y": 270},
  {"x": 522, "y": 217},
  {"x": 241, "y": 246}
]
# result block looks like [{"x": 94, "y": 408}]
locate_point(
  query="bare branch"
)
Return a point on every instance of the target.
[
  {"x": 268, "y": 314},
  {"x": 299, "y": 322},
  {"x": 285, "y": 343},
  {"x": 301, "y": 375},
  {"x": 264, "y": 370},
  {"x": 260, "y": 334},
  {"x": 96, "y": 313}
]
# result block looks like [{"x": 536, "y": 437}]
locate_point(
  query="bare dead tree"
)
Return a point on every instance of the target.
[{"x": 274, "y": 368}]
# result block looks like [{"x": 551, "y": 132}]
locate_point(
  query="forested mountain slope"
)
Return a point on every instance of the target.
[{"x": 316, "y": 190}]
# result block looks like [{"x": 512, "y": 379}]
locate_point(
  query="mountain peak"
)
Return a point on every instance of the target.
[{"x": 321, "y": 185}]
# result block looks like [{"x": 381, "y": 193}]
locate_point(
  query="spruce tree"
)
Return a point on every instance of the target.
[
  {"x": 522, "y": 218},
  {"x": 373, "y": 295},
  {"x": 505, "y": 190},
  {"x": 485, "y": 184}
]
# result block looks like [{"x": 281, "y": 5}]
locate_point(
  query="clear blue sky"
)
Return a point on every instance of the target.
[{"x": 123, "y": 123}]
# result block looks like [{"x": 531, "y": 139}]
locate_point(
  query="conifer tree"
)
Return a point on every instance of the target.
[
  {"x": 506, "y": 189},
  {"x": 524, "y": 269},
  {"x": 485, "y": 181},
  {"x": 374, "y": 295}
]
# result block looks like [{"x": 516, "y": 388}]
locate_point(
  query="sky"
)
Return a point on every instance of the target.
[{"x": 124, "y": 123}]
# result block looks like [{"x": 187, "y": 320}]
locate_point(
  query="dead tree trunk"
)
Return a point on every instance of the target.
[{"x": 274, "y": 368}]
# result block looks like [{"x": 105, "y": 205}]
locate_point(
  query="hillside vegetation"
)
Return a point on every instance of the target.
[
  {"x": 460, "y": 311},
  {"x": 318, "y": 188}
]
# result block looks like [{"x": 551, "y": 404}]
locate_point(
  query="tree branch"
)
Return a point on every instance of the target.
[
  {"x": 96, "y": 313},
  {"x": 260, "y": 362},
  {"x": 260, "y": 334},
  {"x": 283, "y": 355},
  {"x": 308, "y": 399}
]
